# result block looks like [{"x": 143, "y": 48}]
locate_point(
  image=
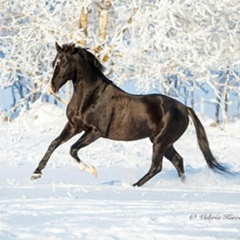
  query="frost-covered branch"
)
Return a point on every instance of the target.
[{"x": 166, "y": 45}]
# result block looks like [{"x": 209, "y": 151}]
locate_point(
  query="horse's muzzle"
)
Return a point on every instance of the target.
[{"x": 52, "y": 89}]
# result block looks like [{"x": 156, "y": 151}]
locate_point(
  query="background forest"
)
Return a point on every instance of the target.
[{"x": 187, "y": 49}]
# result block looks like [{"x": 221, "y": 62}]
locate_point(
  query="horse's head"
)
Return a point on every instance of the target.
[{"x": 64, "y": 67}]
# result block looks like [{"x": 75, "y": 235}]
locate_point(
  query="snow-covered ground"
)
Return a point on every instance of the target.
[{"x": 68, "y": 204}]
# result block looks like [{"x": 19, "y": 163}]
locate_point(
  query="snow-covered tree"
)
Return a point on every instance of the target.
[
  {"x": 188, "y": 39},
  {"x": 172, "y": 46},
  {"x": 179, "y": 44},
  {"x": 28, "y": 32}
]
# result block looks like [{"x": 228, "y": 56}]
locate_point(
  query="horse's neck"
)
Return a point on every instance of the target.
[
  {"x": 104, "y": 78},
  {"x": 85, "y": 87}
]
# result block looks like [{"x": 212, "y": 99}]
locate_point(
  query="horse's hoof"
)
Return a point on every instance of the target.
[
  {"x": 93, "y": 171},
  {"x": 36, "y": 176},
  {"x": 182, "y": 178},
  {"x": 137, "y": 184}
]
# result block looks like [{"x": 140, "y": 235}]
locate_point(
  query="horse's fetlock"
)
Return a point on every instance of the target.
[{"x": 73, "y": 151}]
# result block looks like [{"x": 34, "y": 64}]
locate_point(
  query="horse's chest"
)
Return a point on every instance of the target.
[
  {"x": 81, "y": 119},
  {"x": 74, "y": 116}
]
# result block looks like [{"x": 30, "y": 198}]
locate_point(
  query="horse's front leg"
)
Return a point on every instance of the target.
[
  {"x": 87, "y": 138},
  {"x": 68, "y": 132}
]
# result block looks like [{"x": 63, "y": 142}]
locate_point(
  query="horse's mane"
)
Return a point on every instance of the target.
[{"x": 90, "y": 58}]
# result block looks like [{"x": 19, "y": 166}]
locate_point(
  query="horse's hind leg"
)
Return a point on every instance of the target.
[
  {"x": 156, "y": 165},
  {"x": 173, "y": 156},
  {"x": 68, "y": 132}
]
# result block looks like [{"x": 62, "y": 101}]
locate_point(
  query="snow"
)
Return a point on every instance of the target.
[{"x": 69, "y": 204}]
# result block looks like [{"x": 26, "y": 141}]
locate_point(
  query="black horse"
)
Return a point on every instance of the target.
[{"x": 101, "y": 109}]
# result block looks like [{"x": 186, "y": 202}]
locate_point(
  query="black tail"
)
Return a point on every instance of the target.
[{"x": 203, "y": 142}]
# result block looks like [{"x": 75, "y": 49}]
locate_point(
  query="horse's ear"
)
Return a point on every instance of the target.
[
  {"x": 71, "y": 49},
  {"x": 58, "y": 48}
]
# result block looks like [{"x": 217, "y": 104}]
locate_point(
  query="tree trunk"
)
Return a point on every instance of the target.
[
  {"x": 226, "y": 93},
  {"x": 83, "y": 22},
  {"x": 192, "y": 98},
  {"x": 218, "y": 103},
  {"x": 192, "y": 94},
  {"x": 217, "y": 120},
  {"x": 103, "y": 8},
  {"x": 34, "y": 96}
]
